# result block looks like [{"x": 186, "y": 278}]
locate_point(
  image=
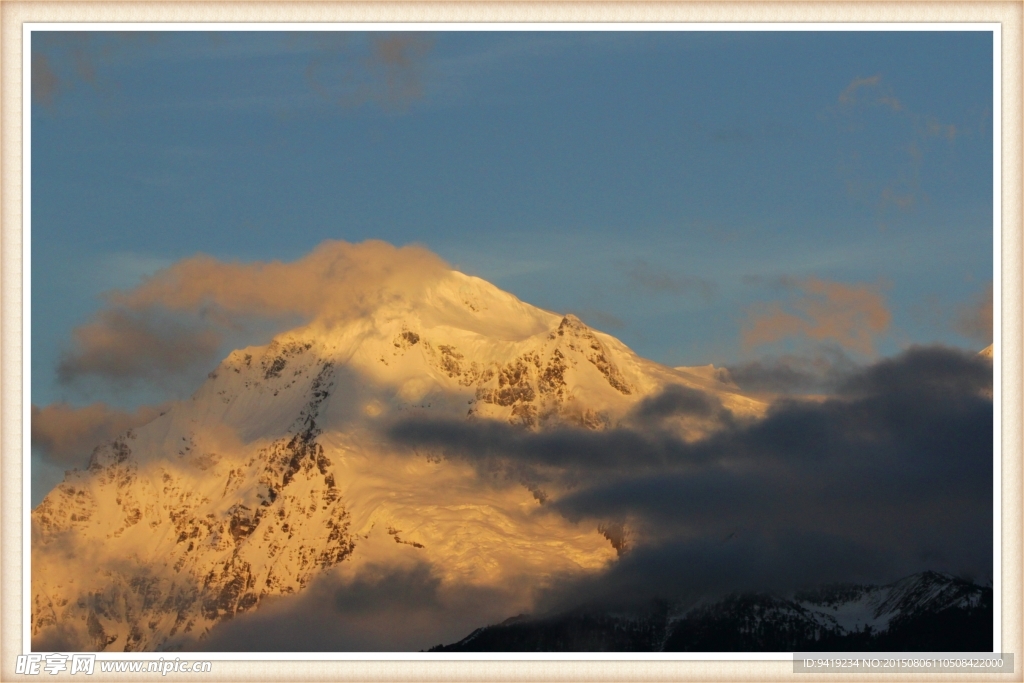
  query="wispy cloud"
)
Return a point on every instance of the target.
[
  {"x": 891, "y": 102},
  {"x": 347, "y": 69},
  {"x": 819, "y": 370},
  {"x": 659, "y": 280},
  {"x": 935, "y": 128},
  {"x": 897, "y": 188},
  {"x": 388, "y": 71},
  {"x": 849, "y": 315},
  {"x": 64, "y": 60},
  {"x": 45, "y": 84},
  {"x": 974, "y": 320},
  {"x": 65, "y": 435},
  {"x": 122, "y": 345},
  {"x": 870, "y": 91},
  {"x": 849, "y": 93}
]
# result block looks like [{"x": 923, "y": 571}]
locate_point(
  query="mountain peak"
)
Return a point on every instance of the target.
[{"x": 278, "y": 469}]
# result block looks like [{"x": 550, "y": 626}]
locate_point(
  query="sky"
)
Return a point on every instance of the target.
[{"x": 785, "y": 204}]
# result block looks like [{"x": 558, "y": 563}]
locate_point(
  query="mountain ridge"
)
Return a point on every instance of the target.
[{"x": 895, "y": 617}]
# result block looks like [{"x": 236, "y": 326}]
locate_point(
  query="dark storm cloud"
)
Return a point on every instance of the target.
[
  {"x": 690, "y": 569},
  {"x": 891, "y": 475},
  {"x": 642, "y": 441},
  {"x": 493, "y": 443},
  {"x": 932, "y": 374},
  {"x": 676, "y": 400}
]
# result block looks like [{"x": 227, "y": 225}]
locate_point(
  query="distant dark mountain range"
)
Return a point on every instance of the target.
[{"x": 929, "y": 611}]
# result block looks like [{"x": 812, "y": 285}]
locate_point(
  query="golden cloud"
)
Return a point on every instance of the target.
[
  {"x": 849, "y": 315},
  {"x": 178, "y": 317}
]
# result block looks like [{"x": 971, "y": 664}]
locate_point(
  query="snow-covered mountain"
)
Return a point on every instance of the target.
[
  {"x": 276, "y": 470},
  {"x": 929, "y": 611}
]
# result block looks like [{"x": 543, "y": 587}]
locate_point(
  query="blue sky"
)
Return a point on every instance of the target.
[{"x": 668, "y": 187}]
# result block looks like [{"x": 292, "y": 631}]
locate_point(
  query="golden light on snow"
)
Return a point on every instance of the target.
[{"x": 275, "y": 472}]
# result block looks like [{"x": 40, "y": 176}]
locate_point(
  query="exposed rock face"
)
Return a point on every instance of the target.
[{"x": 534, "y": 385}]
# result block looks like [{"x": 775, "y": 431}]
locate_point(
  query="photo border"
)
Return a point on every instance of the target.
[{"x": 15, "y": 321}]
